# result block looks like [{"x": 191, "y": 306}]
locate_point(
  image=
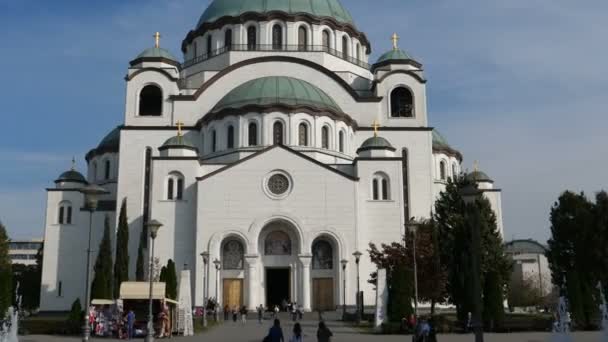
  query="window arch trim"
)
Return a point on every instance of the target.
[
  {"x": 158, "y": 101},
  {"x": 381, "y": 187},
  {"x": 391, "y": 104}
]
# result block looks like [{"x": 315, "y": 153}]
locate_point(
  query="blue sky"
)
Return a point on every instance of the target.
[{"x": 520, "y": 85}]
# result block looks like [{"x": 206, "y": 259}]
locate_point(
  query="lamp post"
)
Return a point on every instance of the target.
[
  {"x": 344, "y": 262},
  {"x": 153, "y": 227},
  {"x": 91, "y": 194},
  {"x": 469, "y": 194},
  {"x": 218, "y": 265},
  {"x": 205, "y": 256},
  {"x": 357, "y": 256},
  {"x": 413, "y": 227}
]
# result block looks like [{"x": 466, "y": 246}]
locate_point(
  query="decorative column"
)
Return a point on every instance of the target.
[
  {"x": 306, "y": 260},
  {"x": 252, "y": 280}
]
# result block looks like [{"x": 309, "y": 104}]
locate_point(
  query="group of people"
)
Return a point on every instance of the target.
[
  {"x": 108, "y": 322},
  {"x": 423, "y": 329},
  {"x": 275, "y": 334},
  {"x": 235, "y": 312}
]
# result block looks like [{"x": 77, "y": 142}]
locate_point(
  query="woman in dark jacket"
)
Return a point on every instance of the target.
[{"x": 323, "y": 333}]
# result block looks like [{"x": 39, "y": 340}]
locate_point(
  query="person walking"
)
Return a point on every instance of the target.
[
  {"x": 130, "y": 323},
  {"x": 244, "y": 314},
  {"x": 275, "y": 334},
  {"x": 297, "y": 333},
  {"x": 294, "y": 312},
  {"x": 276, "y": 311},
  {"x": 260, "y": 314},
  {"x": 226, "y": 313},
  {"x": 323, "y": 333},
  {"x": 234, "y": 314}
]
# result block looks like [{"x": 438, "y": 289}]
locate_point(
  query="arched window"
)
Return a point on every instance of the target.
[
  {"x": 107, "y": 170},
  {"x": 277, "y": 243},
  {"x": 209, "y": 47},
  {"x": 277, "y": 37},
  {"x": 380, "y": 187},
  {"x": 277, "y": 133},
  {"x": 233, "y": 255},
  {"x": 228, "y": 39},
  {"x": 303, "y": 134},
  {"x": 252, "y": 36},
  {"x": 175, "y": 186},
  {"x": 325, "y": 137},
  {"x": 150, "y": 101},
  {"x": 302, "y": 38},
  {"x": 344, "y": 46},
  {"x": 65, "y": 213},
  {"x": 442, "y": 170},
  {"x": 253, "y": 134},
  {"x": 325, "y": 40},
  {"x": 341, "y": 141},
  {"x": 213, "y": 141},
  {"x": 358, "y": 51},
  {"x": 454, "y": 170},
  {"x": 230, "y": 136},
  {"x": 322, "y": 255},
  {"x": 402, "y": 103}
]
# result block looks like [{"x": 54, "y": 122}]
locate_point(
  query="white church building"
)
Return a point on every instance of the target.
[{"x": 277, "y": 146}]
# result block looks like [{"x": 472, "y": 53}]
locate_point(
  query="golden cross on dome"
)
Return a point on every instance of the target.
[
  {"x": 376, "y": 125},
  {"x": 179, "y": 125},
  {"x": 395, "y": 38},
  {"x": 476, "y": 166},
  {"x": 157, "y": 39},
  {"x": 73, "y": 163}
]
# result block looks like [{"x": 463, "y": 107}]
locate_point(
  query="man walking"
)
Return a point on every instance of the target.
[
  {"x": 260, "y": 314},
  {"x": 130, "y": 324}
]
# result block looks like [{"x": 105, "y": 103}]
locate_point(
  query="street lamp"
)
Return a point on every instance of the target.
[
  {"x": 218, "y": 265},
  {"x": 357, "y": 256},
  {"x": 153, "y": 227},
  {"x": 470, "y": 194},
  {"x": 413, "y": 227},
  {"x": 344, "y": 262},
  {"x": 91, "y": 194},
  {"x": 205, "y": 256}
]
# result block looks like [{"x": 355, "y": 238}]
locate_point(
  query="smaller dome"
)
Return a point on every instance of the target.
[
  {"x": 376, "y": 143},
  {"x": 439, "y": 140},
  {"x": 179, "y": 141},
  {"x": 478, "y": 176},
  {"x": 394, "y": 55},
  {"x": 156, "y": 53},
  {"x": 111, "y": 142},
  {"x": 71, "y": 176}
]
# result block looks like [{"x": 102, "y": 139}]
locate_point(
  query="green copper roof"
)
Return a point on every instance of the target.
[
  {"x": 71, "y": 176},
  {"x": 111, "y": 142},
  {"x": 318, "y": 8},
  {"x": 179, "y": 141},
  {"x": 376, "y": 142},
  {"x": 478, "y": 176},
  {"x": 156, "y": 53},
  {"x": 439, "y": 140},
  {"x": 277, "y": 90},
  {"x": 394, "y": 54}
]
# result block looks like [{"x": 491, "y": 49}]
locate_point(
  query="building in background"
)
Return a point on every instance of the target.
[
  {"x": 531, "y": 277},
  {"x": 24, "y": 251}
]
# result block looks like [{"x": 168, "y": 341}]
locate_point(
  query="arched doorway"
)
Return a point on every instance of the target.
[
  {"x": 278, "y": 245},
  {"x": 233, "y": 266},
  {"x": 325, "y": 274}
]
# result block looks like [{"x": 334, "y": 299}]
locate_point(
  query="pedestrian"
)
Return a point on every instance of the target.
[
  {"x": 297, "y": 333},
  {"x": 130, "y": 323},
  {"x": 234, "y": 314},
  {"x": 323, "y": 333},
  {"x": 276, "y": 311},
  {"x": 300, "y": 312},
  {"x": 244, "y": 314},
  {"x": 260, "y": 314},
  {"x": 294, "y": 312},
  {"x": 226, "y": 313},
  {"x": 275, "y": 334}
]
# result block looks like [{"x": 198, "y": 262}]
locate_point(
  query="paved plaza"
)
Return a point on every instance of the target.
[{"x": 253, "y": 332}]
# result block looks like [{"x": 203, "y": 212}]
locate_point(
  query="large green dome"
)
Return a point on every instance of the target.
[
  {"x": 276, "y": 90},
  {"x": 394, "y": 55},
  {"x": 233, "y": 8}
]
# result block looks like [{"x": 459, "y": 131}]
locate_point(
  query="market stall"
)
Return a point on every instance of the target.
[{"x": 135, "y": 296}]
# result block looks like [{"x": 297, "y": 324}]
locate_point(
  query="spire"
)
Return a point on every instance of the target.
[
  {"x": 73, "y": 168},
  {"x": 395, "y": 38},
  {"x": 476, "y": 166},
  {"x": 376, "y": 125},
  {"x": 179, "y": 125},
  {"x": 157, "y": 40}
]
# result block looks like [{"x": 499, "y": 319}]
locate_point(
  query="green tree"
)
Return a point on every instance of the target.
[
  {"x": 572, "y": 246},
  {"x": 6, "y": 273},
  {"x": 600, "y": 213},
  {"x": 493, "y": 308},
  {"x": 400, "y": 293},
  {"x": 75, "y": 318},
  {"x": 121, "y": 266},
  {"x": 139, "y": 267},
  {"x": 171, "y": 280},
  {"x": 101, "y": 288}
]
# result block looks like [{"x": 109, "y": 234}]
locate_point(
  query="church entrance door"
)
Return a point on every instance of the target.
[
  {"x": 323, "y": 294},
  {"x": 277, "y": 286},
  {"x": 233, "y": 293}
]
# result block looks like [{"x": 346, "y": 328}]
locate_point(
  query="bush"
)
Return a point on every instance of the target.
[{"x": 75, "y": 319}]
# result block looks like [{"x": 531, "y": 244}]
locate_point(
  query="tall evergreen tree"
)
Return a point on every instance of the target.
[
  {"x": 572, "y": 246},
  {"x": 6, "y": 273},
  {"x": 400, "y": 293},
  {"x": 121, "y": 266},
  {"x": 101, "y": 288},
  {"x": 171, "y": 279},
  {"x": 140, "y": 269}
]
